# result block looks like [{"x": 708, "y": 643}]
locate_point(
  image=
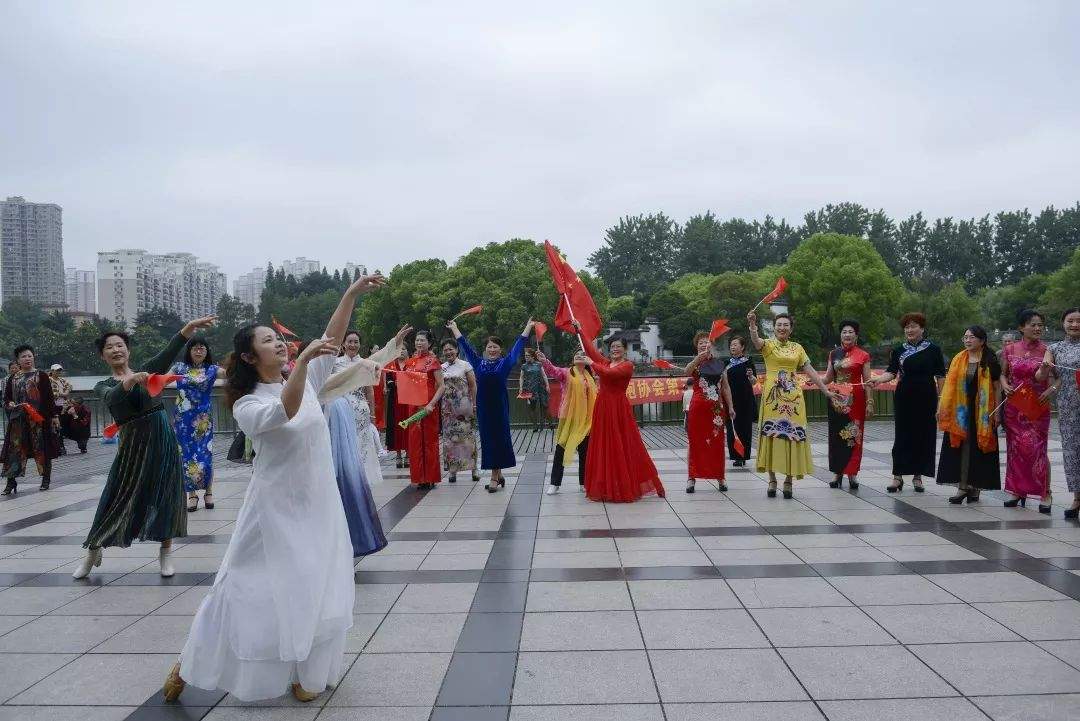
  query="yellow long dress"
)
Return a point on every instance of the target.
[{"x": 783, "y": 442}]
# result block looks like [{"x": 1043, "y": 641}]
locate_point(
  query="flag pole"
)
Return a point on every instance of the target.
[{"x": 573, "y": 319}]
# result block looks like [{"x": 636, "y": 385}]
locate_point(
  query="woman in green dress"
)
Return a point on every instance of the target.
[{"x": 143, "y": 497}]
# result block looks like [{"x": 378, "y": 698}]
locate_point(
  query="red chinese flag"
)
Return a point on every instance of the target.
[
  {"x": 576, "y": 302},
  {"x": 475, "y": 310},
  {"x": 280, "y": 328},
  {"x": 781, "y": 286},
  {"x": 719, "y": 327},
  {"x": 412, "y": 388},
  {"x": 1026, "y": 400},
  {"x": 32, "y": 414},
  {"x": 541, "y": 329},
  {"x": 663, "y": 364},
  {"x": 157, "y": 382},
  {"x": 110, "y": 430},
  {"x": 737, "y": 443}
]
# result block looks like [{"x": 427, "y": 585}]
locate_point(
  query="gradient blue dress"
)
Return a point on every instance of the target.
[
  {"x": 365, "y": 528},
  {"x": 492, "y": 403}
]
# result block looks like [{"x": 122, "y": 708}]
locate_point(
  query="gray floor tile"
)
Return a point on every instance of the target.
[
  {"x": 260, "y": 713},
  {"x": 580, "y": 631},
  {"x": 23, "y": 670},
  {"x": 477, "y": 679},
  {"x": 491, "y": 632},
  {"x": 993, "y": 587},
  {"x": 405, "y": 632},
  {"x": 379, "y": 680},
  {"x": 1064, "y": 707},
  {"x": 1037, "y": 620},
  {"x": 857, "y": 672},
  {"x": 121, "y": 601},
  {"x": 571, "y": 677},
  {"x": 661, "y": 543},
  {"x": 994, "y": 668},
  {"x": 612, "y": 712},
  {"x": 402, "y": 562},
  {"x": 664, "y": 558},
  {"x": 913, "y": 538},
  {"x": 931, "y": 553},
  {"x": 574, "y": 545},
  {"x": 580, "y": 596},
  {"x": 752, "y": 556},
  {"x": 770, "y": 711},
  {"x": 945, "y": 623},
  {"x": 723, "y": 675},
  {"x": 853, "y": 554},
  {"x": 585, "y": 559},
  {"x": 185, "y": 604},
  {"x": 890, "y": 590},
  {"x": 364, "y": 625},
  {"x": 904, "y": 709},
  {"x": 7, "y": 623},
  {"x": 442, "y": 547},
  {"x": 434, "y": 598},
  {"x": 63, "y": 634},
  {"x": 700, "y": 594},
  {"x": 786, "y": 592},
  {"x": 454, "y": 562},
  {"x": 752, "y": 540},
  {"x": 102, "y": 679},
  {"x": 153, "y": 634},
  {"x": 820, "y": 540},
  {"x": 700, "y": 629},
  {"x": 384, "y": 713},
  {"x": 830, "y": 626},
  {"x": 36, "y": 600},
  {"x": 376, "y": 597},
  {"x": 65, "y": 713},
  {"x": 1067, "y": 651}
]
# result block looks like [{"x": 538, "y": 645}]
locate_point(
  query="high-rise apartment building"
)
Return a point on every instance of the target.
[
  {"x": 248, "y": 287},
  {"x": 300, "y": 267},
  {"x": 131, "y": 281},
  {"x": 31, "y": 252},
  {"x": 80, "y": 290}
]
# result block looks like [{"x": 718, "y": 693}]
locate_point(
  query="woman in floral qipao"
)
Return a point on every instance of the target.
[
  {"x": 848, "y": 365},
  {"x": 194, "y": 421}
]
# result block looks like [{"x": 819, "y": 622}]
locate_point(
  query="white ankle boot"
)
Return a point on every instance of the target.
[
  {"x": 93, "y": 558},
  {"x": 552, "y": 490},
  {"x": 165, "y": 561}
]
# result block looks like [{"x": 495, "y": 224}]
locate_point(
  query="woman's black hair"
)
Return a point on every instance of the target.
[
  {"x": 194, "y": 341},
  {"x": 848, "y": 323},
  {"x": 1024, "y": 316},
  {"x": 1068, "y": 312},
  {"x": 494, "y": 339},
  {"x": 101, "y": 340},
  {"x": 448, "y": 342},
  {"x": 351, "y": 331},
  {"x": 989, "y": 357},
  {"x": 427, "y": 334},
  {"x": 19, "y": 350},
  {"x": 240, "y": 376},
  {"x": 778, "y": 316},
  {"x": 620, "y": 341}
]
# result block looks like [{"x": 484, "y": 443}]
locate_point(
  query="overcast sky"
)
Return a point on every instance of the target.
[{"x": 384, "y": 132}]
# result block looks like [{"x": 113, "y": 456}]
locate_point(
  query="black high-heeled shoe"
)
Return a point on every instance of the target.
[
  {"x": 498, "y": 484},
  {"x": 959, "y": 498},
  {"x": 12, "y": 488},
  {"x": 690, "y": 483},
  {"x": 898, "y": 487},
  {"x": 1018, "y": 501},
  {"x": 852, "y": 483},
  {"x": 787, "y": 490},
  {"x": 770, "y": 490},
  {"x": 972, "y": 499},
  {"x": 1072, "y": 512},
  {"x": 835, "y": 483},
  {"x": 1045, "y": 509},
  {"x": 723, "y": 487}
]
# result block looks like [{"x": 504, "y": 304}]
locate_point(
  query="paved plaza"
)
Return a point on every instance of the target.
[{"x": 837, "y": 605}]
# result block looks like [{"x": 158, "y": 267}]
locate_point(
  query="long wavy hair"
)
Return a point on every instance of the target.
[{"x": 240, "y": 376}]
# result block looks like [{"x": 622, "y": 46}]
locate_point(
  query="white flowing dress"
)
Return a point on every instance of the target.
[
  {"x": 366, "y": 433},
  {"x": 282, "y": 600}
]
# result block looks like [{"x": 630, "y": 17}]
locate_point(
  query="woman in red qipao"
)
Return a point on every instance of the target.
[
  {"x": 847, "y": 416},
  {"x": 709, "y": 406},
  {"x": 618, "y": 467},
  {"x": 425, "y": 464}
]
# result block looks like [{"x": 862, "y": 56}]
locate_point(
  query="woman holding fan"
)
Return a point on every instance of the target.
[
  {"x": 492, "y": 404},
  {"x": 849, "y": 365}
]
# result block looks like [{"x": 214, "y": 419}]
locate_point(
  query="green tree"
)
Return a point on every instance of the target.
[
  {"x": 832, "y": 277},
  {"x": 999, "y": 306},
  {"x": 734, "y": 294},
  {"x": 948, "y": 312},
  {"x": 165, "y": 322},
  {"x": 625, "y": 310},
  {"x": 1062, "y": 290},
  {"x": 638, "y": 255},
  {"x": 677, "y": 324}
]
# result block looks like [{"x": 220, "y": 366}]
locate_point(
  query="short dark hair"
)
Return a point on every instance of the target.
[
  {"x": 351, "y": 331},
  {"x": 1024, "y": 316},
  {"x": 732, "y": 339},
  {"x": 197, "y": 340},
  {"x": 778, "y": 316},
  {"x": 427, "y": 334},
  {"x": 1068, "y": 312},
  {"x": 917, "y": 318},
  {"x": 19, "y": 350},
  {"x": 449, "y": 342},
  {"x": 494, "y": 339},
  {"x": 848, "y": 323},
  {"x": 101, "y": 340}
]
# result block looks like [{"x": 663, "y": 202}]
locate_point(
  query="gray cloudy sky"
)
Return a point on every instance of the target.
[{"x": 383, "y": 132}]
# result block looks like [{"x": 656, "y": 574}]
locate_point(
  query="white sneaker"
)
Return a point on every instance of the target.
[
  {"x": 165, "y": 561},
  {"x": 552, "y": 490},
  {"x": 93, "y": 558}
]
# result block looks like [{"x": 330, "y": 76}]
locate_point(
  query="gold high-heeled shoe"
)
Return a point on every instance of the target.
[
  {"x": 174, "y": 685},
  {"x": 303, "y": 695}
]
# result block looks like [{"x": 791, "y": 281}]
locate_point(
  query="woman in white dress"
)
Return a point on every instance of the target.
[
  {"x": 282, "y": 601},
  {"x": 362, "y": 398}
]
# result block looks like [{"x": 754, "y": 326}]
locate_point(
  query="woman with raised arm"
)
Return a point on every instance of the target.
[
  {"x": 1061, "y": 362},
  {"x": 618, "y": 468},
  {"x": 425, "y": 466},
  {"x": 783, "y": 443},
  {"x": 143, "y": 498},
  {"x": 848, "y": 365},
  {"x": 194, "y": 421},
  {"x": 459, "y": 428},
  {"x": 710, "y": 406},
  {"x": 277, "y": 615},
  {"x": 1027, "y": 466},
  {"x": 919, "y": 365},
  {"x": 969, "y": 415},
  {"x": 492, "y": 404},
  {"x": 575, "y": 415}
]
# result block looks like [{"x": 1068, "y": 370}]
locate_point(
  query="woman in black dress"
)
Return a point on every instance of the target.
[
  {"x": 741, "y": 376},
  {"x": 969, "y": 416},
  {"x": 920, "y": 366}
]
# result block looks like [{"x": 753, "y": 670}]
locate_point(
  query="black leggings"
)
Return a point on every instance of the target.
[{"x": 557, "y": 464}]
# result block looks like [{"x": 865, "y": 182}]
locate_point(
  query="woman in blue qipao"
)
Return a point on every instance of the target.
[
  {"x": 194, "y": 422},
  {"x": 492, "y": 404}
]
